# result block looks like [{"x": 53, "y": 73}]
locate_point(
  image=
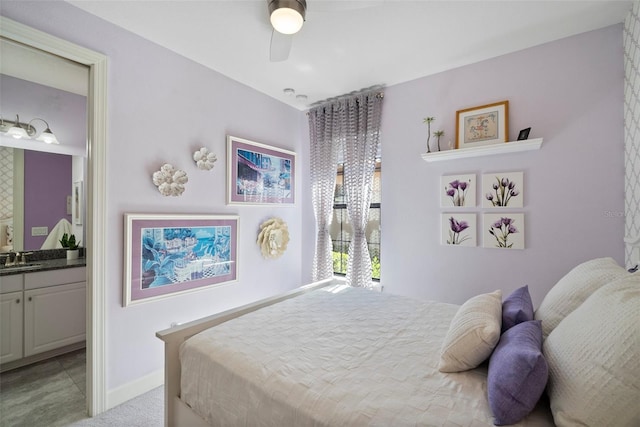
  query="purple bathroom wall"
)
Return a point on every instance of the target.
[{"x": 47, "y": 183}]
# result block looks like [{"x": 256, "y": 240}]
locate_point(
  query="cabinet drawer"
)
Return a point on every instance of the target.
[
  {"x": 11, "y": 283},
  {"x": 41, "y": 279}
]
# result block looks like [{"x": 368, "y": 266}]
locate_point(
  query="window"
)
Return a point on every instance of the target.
[{"x": 341, "y": 228}]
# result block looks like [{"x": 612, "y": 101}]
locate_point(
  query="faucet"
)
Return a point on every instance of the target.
[
  {"x": 9, "y": 262},
  {"x": 23, "y": 258}
]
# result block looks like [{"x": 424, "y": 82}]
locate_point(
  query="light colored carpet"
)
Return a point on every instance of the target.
[{"x": 146, "y": 410}]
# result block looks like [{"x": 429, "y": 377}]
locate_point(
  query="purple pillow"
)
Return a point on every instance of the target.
[
  {"x": 518, "y": 373},
  {"x": 517, "y": 308}
]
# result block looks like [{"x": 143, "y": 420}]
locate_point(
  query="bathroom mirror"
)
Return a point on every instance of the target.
[{"x": 41, "y": 192}]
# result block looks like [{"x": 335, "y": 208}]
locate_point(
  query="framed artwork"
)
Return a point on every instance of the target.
[
  {"x": 502, "y": 190},
  {"x": 524, "y": 134},
  {"x": 458, "y": 191},
  {"x": 77, "y": 203},
  {"x": 167, "y": 255},
  {"x": 258, "y": 174},
  {"x": 484, "y": 125},
  {"x": 458, "y": 229},
  {"x": 503, "y": 230}
]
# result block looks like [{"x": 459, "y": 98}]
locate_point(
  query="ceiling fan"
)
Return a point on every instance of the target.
[{"x": 287, "y": 17}]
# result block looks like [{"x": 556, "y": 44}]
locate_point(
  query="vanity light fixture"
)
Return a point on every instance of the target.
[
  {"x": 287, "y": 16},
  {"x": 46, "y": 136},
  {"x": 20, "y": 130},
  {"x": 17, "y": 131}
]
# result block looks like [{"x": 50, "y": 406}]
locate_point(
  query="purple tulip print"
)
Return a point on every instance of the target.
[
  {"x": 501, "y": 230},
  {"x": 503, "y": 191},
  {"x": 455, "y": 229},
  {"x": 457, "y": 191}
]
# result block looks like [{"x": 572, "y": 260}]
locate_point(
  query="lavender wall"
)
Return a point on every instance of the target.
[
  {"x": 47, "y": 183},
  {"x": 151, "y": 89},
  {"x": 571, "y": 93}
]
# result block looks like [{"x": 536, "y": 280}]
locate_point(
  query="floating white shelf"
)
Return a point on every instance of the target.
[{"x": 486, "y": 150}]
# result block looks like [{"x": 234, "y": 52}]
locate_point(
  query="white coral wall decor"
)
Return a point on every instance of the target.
[
  {"x": 170, "y": 181},
  {"x": 273, "y": 238},
  {"x": 204, "y": 159}
]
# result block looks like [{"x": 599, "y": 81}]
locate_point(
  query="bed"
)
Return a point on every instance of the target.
[{"x": 329, "y": 355}]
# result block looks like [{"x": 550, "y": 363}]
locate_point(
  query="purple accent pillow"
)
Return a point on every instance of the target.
[
  {"x": 517, "y": 308},
  {"x": 518, "y": 373}
]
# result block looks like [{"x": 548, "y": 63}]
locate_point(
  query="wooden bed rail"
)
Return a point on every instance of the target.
[{"x": 175, "y": 336}]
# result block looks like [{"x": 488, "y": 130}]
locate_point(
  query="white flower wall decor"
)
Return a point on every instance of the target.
[
  {"x": 204, "y": 159},
  {"x": 170, "y": 181},
  {"x": 273, "y": 238}
]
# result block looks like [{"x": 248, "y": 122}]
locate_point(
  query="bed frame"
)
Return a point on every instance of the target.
[{"x": 176, "y": 412}]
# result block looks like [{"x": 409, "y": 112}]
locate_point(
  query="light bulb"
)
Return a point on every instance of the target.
[{"x": 286, "y": 20}]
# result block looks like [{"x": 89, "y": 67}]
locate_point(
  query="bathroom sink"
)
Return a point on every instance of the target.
[{"x": 23, "y": 267}]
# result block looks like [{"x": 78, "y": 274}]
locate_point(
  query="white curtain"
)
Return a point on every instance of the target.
[
  {"x": 347, "y": 128},
  {"x": 324, "y": 129},
  {"x": 360, "y": 148}
]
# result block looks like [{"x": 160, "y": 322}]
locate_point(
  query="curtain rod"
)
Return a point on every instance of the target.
[{"x": 380, "y": 95}]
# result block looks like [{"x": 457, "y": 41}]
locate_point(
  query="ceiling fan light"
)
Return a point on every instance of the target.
[
  {"x": 286, "y": 21},
  {"x": 287, "y": 16}
]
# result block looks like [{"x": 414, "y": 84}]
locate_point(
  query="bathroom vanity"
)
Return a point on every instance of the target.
[{"x": 42, "y": 311}]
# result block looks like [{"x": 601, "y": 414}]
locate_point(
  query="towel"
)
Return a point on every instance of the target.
[{"x": 53, "y": 239}]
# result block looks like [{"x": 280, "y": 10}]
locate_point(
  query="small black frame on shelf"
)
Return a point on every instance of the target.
[{"x": 524, "y": 134}]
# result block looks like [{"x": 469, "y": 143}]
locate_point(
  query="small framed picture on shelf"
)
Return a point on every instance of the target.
[
  {"x": 524, "y": 134},
  {"x": 484, "y": 125}
]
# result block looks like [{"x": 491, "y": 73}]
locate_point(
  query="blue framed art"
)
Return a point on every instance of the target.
[
  {"x": 169, "y": 254},
  {"x": 259, "y": 174}
]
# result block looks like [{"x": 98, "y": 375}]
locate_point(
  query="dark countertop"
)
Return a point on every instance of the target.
[{"x": 44, "y": 265}]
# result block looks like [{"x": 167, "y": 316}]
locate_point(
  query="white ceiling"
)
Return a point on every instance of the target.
[{"x": 349, "y": 45}]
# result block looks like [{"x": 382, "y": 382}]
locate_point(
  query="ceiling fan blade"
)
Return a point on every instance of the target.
[{"x": 280, "y": 46}]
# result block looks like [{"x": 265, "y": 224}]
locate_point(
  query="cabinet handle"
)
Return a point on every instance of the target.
[
  {"x": 18, "y": 301},
  {"x": 30, "y": 298}
]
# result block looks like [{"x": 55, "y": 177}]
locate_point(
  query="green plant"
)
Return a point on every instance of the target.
[
  {"x": 340, "y": 264},
  {"x": 69, "y": 241}
]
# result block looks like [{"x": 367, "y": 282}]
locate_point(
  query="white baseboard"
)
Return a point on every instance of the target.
[{"x": 135, "y": 388}]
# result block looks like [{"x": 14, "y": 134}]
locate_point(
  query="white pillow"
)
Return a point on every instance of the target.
[
  {"x": 473, "y": 333},
  {"x": 593, "y": 358},
  {"x": 574, "y": 288}
]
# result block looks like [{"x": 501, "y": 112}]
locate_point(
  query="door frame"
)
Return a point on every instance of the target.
[{"x": 95, "y": 195}]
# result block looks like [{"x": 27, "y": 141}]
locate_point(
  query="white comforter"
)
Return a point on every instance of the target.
[{"x": 334, "y": 357}]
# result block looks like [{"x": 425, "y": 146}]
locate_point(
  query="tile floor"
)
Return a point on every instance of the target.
[{"x": 50, "y": 393}]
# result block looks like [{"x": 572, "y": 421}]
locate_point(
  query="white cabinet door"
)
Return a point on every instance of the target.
[
  {"x": 11, "y": 306},
  {"x": 54, "y": 317}
]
